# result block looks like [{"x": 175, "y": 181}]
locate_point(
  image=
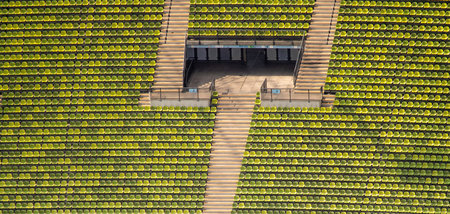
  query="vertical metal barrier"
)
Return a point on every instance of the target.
[
  {"x": 321, "y": 95},
  {"x": 212, "y": 87},
  {"x": 263, "y": 88},
  {"x": 184, "y": 61},
  {"x": 309, "y": 100},
  {"x": 290, "y": 95}
]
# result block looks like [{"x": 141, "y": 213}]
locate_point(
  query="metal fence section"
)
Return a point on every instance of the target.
[
  {"x": 180, "y": 94},
  {"x": 289, "y": 94}
]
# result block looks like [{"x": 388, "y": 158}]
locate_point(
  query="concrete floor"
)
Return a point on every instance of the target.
[{"x": 242, "y": 77}]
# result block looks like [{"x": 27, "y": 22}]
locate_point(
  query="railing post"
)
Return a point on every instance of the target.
[
  {"x": 271, "y": 100},
  {"x": 217, "y": 37},
  {"x": 185, "y": 59},
  {"x": 308, "y": 96},
  {"x": 179, "y": 95},
  {"x": 160, "y": 95},
  {"x": 198, "y": 98},
  {"x": 290, "y": 98},
  {"x": 212, "y": 87}
]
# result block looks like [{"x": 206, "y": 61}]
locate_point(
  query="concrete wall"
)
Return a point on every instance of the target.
[
  {"x": 293, "y": 103},
  {"x": 227, "y": 54},
  {"x": 194, "y": 103}
]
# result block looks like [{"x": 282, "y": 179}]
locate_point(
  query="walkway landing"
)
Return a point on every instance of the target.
[{"x": 235, "y": 77}]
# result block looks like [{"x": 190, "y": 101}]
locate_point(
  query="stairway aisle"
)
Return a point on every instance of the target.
[
  {"x": 328, "y": 100},
  {"x": 170, "y": 59},
  {"x": 234, "y": 113},
  {"x": 314, "y": 65}
]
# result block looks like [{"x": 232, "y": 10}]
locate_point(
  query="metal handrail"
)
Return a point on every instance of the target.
[
  {"x": 299, "y": 61},
  {"x": 212, "y": 87},
  {"x": 291, "y": 91},
  {"x": 183, "y": 89},
  {"x": 184, "y": 61},
  {"x": 179, "y": 92},
  {"x": 265, "y": 90},
  {"x": 168, "y": 22},
  {"x": 186, "y": 70},
  {"x": 331, "y": 21}
]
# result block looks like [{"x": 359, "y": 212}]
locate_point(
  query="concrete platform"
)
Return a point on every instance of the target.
[{"x": 242, "y": 77}]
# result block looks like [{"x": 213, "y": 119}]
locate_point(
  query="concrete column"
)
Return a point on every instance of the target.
[
  {"x": 190, "y": 52},
  {"x": 236, "y": 54},
  {"x": 201, "y": 54},
  {"x": 283, "y": 55},
  {"x": 294, "y": 54},
  {"x": 225, "y": 54},
  {"x": 271, "y": 54},
  {"x": 212, "y": 54}
]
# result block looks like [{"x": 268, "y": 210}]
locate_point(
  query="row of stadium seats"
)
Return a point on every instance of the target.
[{"x": 260, "y": 19}]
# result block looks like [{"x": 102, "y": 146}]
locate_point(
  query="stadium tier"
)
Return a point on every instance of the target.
[
  {"x": 78, "y": 45},
  {"x": 104, "y": 159},
  {"x": 383, "y": 147},
  {"x": 75, "y": 137},
  {"x": 337, "y": 160}
]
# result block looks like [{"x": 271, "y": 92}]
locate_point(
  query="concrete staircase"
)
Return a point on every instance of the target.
[
  {"x": 170, "y": 59},
  {"x": 328, "y": 100},
  {"x": 144, "y": 99},
  {"x": 233, "y": 119},
  {"x": 316, "y": 57}
]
